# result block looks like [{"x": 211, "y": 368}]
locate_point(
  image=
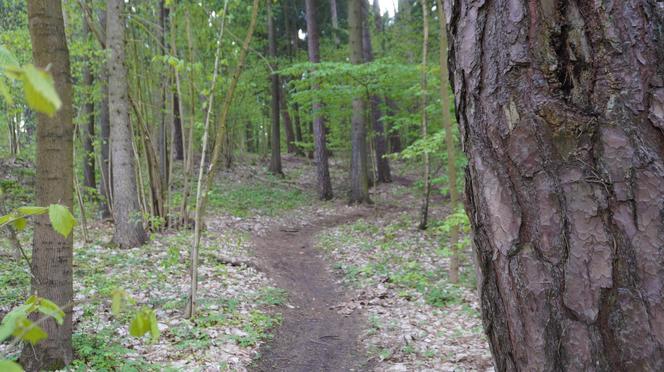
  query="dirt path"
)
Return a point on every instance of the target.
[{"x": 313, "y": 336}]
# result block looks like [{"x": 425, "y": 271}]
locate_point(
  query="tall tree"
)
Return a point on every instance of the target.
[
  {"x": 129, "y": 231},
  {"x": 449, "y": 141},
  {"x": 335, "y": 22},
  {"x": 52, "y": 254},
  {"x": 560, "y": 110},
  {"x": 380, "y": 144},
  {"x": 88, "y": 114},
  {"x": 424, "y": 214},
  {"x": 359, "y": 182},
  {"x": 320, "y": 146},
  {"x": 275, "y": 159},
  {"x": 105, "y": 184}
]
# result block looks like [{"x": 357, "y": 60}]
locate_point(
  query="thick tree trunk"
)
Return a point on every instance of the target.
[
  {"x": 275, "y": 144},
  {"x": 560, "y": 106},
  {"x": 359, "y": 180},
  {"x": 320, "y": 146},
  {"x": 129, "y": 231},
  {"x": 52, "y": 254},
  {"x": 380, "y": 144},
  {"x": 88, "y": 132}
]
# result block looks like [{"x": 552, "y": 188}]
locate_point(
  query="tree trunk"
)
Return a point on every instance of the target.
[
  {"x": 52, "y": 254},
  {"x": 359, "y": 181},
  {"x": 380, "y": 145},
  {"x": 165, "y": 99},
  {"x": 298, "y": 124},
  {"x": 178, "y": 139},
  {"x": 129, "y": 230},
  {"x": 324, "y": 182},
  {"x": 449, "y": 142},
  {"x": 424, "y": 213},
  {"x": 275, "y": 144},
  {"x": 88, "y": 132},
  {"x": 105, "y": 185},
  {"x": 393, "y": 136},
  {"x": 288, "y": 123},
  {"x": 335, "y": 22},
  {"x": 560, "y": 108}
]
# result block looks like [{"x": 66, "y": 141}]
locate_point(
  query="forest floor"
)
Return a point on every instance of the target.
[{"x": 286, "y": 283}]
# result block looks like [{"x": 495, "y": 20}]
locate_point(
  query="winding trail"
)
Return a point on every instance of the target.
[{"x": 313, "y": 336}]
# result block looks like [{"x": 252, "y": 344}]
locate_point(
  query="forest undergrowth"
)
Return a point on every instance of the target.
[{"x": 394, "y": 273}]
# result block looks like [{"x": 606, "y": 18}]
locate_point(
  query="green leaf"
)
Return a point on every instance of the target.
[
  {"x": 9, "y": 366},
  {"x": 40, "y": 90},
  {"x": 7, "y": 59},
  {"x": 49, "y": 308},
  {"x": 19, "y": 223},
  {"x": 61, "y": 219},
  {"x": 138, "y": 326},
  {"x": 117, "y": 302},
  {"x": 26, "y": 330},
  {"x": 5, "y": 219},
  {"x": 154, "y": 326},
  {"x": 32, "y": 211}
]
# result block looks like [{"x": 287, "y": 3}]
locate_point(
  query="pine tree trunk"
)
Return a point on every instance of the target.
[
  {"x": 359, "y": 180},
  {"x": 335, "y": 22},
  {"x": 88, "y": 132},
  {"x": 275, "y": 159},
  {"x": 560, "y": 106},
  {"x": 380, "y": 144},
  {"x": 129, "y": 231},
  {"x": 320, "y": 147},
  {"x": 52, "y": 254}
]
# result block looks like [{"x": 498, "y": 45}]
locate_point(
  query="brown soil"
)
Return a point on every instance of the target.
[{"x": 313, "y": 335}]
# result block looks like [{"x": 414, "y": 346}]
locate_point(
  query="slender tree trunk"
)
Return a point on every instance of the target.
[
  {"x": 393, "y": 136},
  {"x": 129, "y": 231},
  {"x": 320, "y": 147},
  {"x": 105, "y": 185},
  {"x": 298, "y": 123},
  {"x": 275, "y": 144},
  {"x": 335, "y": 22},
  {"x": 88, "y": 132},
  {"x": 449, "y": 142},
  {"x": 359, "y": 180},
  {"x": 383, "y": 173},
  {"x": 424, "y": 214},
  {"x": 52, "y": 254},
  {"x": 178, "y": 139},
  {"x": 165, "y": 99},
  {"x": 560, "y": 107},
  {"x": 288, "y": 123}
]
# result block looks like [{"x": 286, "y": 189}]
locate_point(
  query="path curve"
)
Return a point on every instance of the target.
[{"x": 313, "y": 336}]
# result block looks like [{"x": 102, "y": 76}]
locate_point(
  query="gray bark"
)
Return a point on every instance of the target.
[
  {"x": 560, "y": 108},
  {"x": 129, "y": 231},
  {"x": 88, "y": 132}
]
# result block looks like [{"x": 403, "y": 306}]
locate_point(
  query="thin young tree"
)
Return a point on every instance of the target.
[
  {"x": 383, "y": 173},
  {"x": 129, "y": 230},
  {"x": 275, "y": 140},
  {"x": 320, "y": 146},
  {"x": 52, "y": 254},
  {"x": 560, "y": 110},
  {"x": 359, "y": 181},
  {"x": 449, "y": 142},
  {"x": 88, "y": 115},
  {"x": 424, "y": 213}
]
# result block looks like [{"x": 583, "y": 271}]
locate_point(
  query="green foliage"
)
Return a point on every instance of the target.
[
  {"x": 61, "y": 219},
  {"x": 144, "y": 321},
  {"x": 247, "y": 200},
  {"x": 272, "y": 296},
  {"x": 101, "y": 351},
  {"x": 17, "y": 324},
  {"x": 9, "y": 366}
]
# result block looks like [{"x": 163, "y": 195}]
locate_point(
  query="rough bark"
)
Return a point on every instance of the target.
[
  {"x": 275, "y": 143},
  {"x": 320, "y": 147},
  {"x": 52, "y": 254},
  {"x": 129, "y": 231},
  {"x": 88, "y": 132},
  {"x": 383, "y": 173},
  {"x": 560, "y": 106}
]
